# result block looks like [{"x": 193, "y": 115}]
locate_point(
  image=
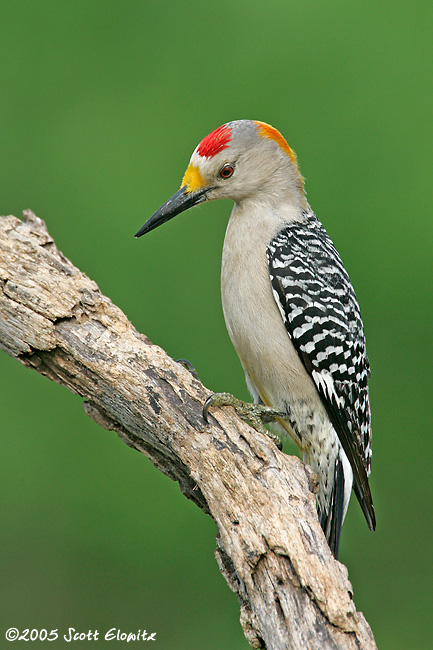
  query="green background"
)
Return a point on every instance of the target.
[{"x": 101, "y": 106}]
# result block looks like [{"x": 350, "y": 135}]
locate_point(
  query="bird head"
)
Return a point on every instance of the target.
[{"x": 241, "y": 160}]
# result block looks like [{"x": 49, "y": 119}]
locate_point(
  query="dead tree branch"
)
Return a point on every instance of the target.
[{"x": 270, "y": 548}]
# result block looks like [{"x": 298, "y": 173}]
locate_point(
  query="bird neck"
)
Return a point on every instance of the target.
[
  {"x": 276, "y": 205},
  {"x": 261, "y": 219}
]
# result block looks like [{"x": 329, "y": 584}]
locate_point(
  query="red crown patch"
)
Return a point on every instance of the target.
[{"x": 215, "y": 142}]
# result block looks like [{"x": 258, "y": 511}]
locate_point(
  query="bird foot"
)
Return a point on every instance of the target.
[{"x": 255, "y": 414}]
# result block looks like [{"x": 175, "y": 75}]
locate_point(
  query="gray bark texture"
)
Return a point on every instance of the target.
[{"x": 292, "y": 593}]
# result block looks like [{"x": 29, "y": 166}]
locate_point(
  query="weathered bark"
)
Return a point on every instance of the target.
[{"x": 271, "y": 550}]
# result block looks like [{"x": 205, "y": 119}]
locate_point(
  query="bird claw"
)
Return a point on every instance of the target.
[
  {"x": 255, "y": 414},
  {"x": 188, "y": 366}
]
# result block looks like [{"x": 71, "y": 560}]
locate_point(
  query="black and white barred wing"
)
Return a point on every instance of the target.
[{"x": 321, "y": 314}]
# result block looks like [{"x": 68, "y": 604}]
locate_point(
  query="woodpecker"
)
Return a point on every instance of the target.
[{"x": 290, "y": 310}]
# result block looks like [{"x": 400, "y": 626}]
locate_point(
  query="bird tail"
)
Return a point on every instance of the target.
[{"x": 331, "y": 519}]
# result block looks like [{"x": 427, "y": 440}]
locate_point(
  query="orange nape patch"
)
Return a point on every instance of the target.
[
  {"x": 192, "y": 179},
  {"x": 268, "y": 131}
]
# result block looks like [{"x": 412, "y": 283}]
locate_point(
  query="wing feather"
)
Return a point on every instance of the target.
[{"x": 322, "y": 317}]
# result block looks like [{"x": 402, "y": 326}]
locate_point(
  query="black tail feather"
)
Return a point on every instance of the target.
[{"x": 331, "y": 520}]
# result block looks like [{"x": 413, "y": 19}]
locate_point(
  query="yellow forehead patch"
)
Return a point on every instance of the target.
[
  {"x": 192, "y": 179},
  {"x": 268, "y": 131}
]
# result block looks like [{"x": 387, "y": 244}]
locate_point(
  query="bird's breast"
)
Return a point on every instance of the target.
[{"x": 253, "y": 320}]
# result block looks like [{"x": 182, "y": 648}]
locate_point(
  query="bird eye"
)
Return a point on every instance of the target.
[{"x": 226, "y": 171}]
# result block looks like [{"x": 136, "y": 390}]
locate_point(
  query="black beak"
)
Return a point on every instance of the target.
[{"x": 178, "y": 203}]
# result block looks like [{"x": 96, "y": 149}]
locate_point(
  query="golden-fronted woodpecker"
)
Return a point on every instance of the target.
[{"x": 290, "y": 310}]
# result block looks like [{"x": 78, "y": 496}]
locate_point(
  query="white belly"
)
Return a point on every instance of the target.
[
  {"x": 254, "y": 322},
  {"x": 274, "y": 371}
]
